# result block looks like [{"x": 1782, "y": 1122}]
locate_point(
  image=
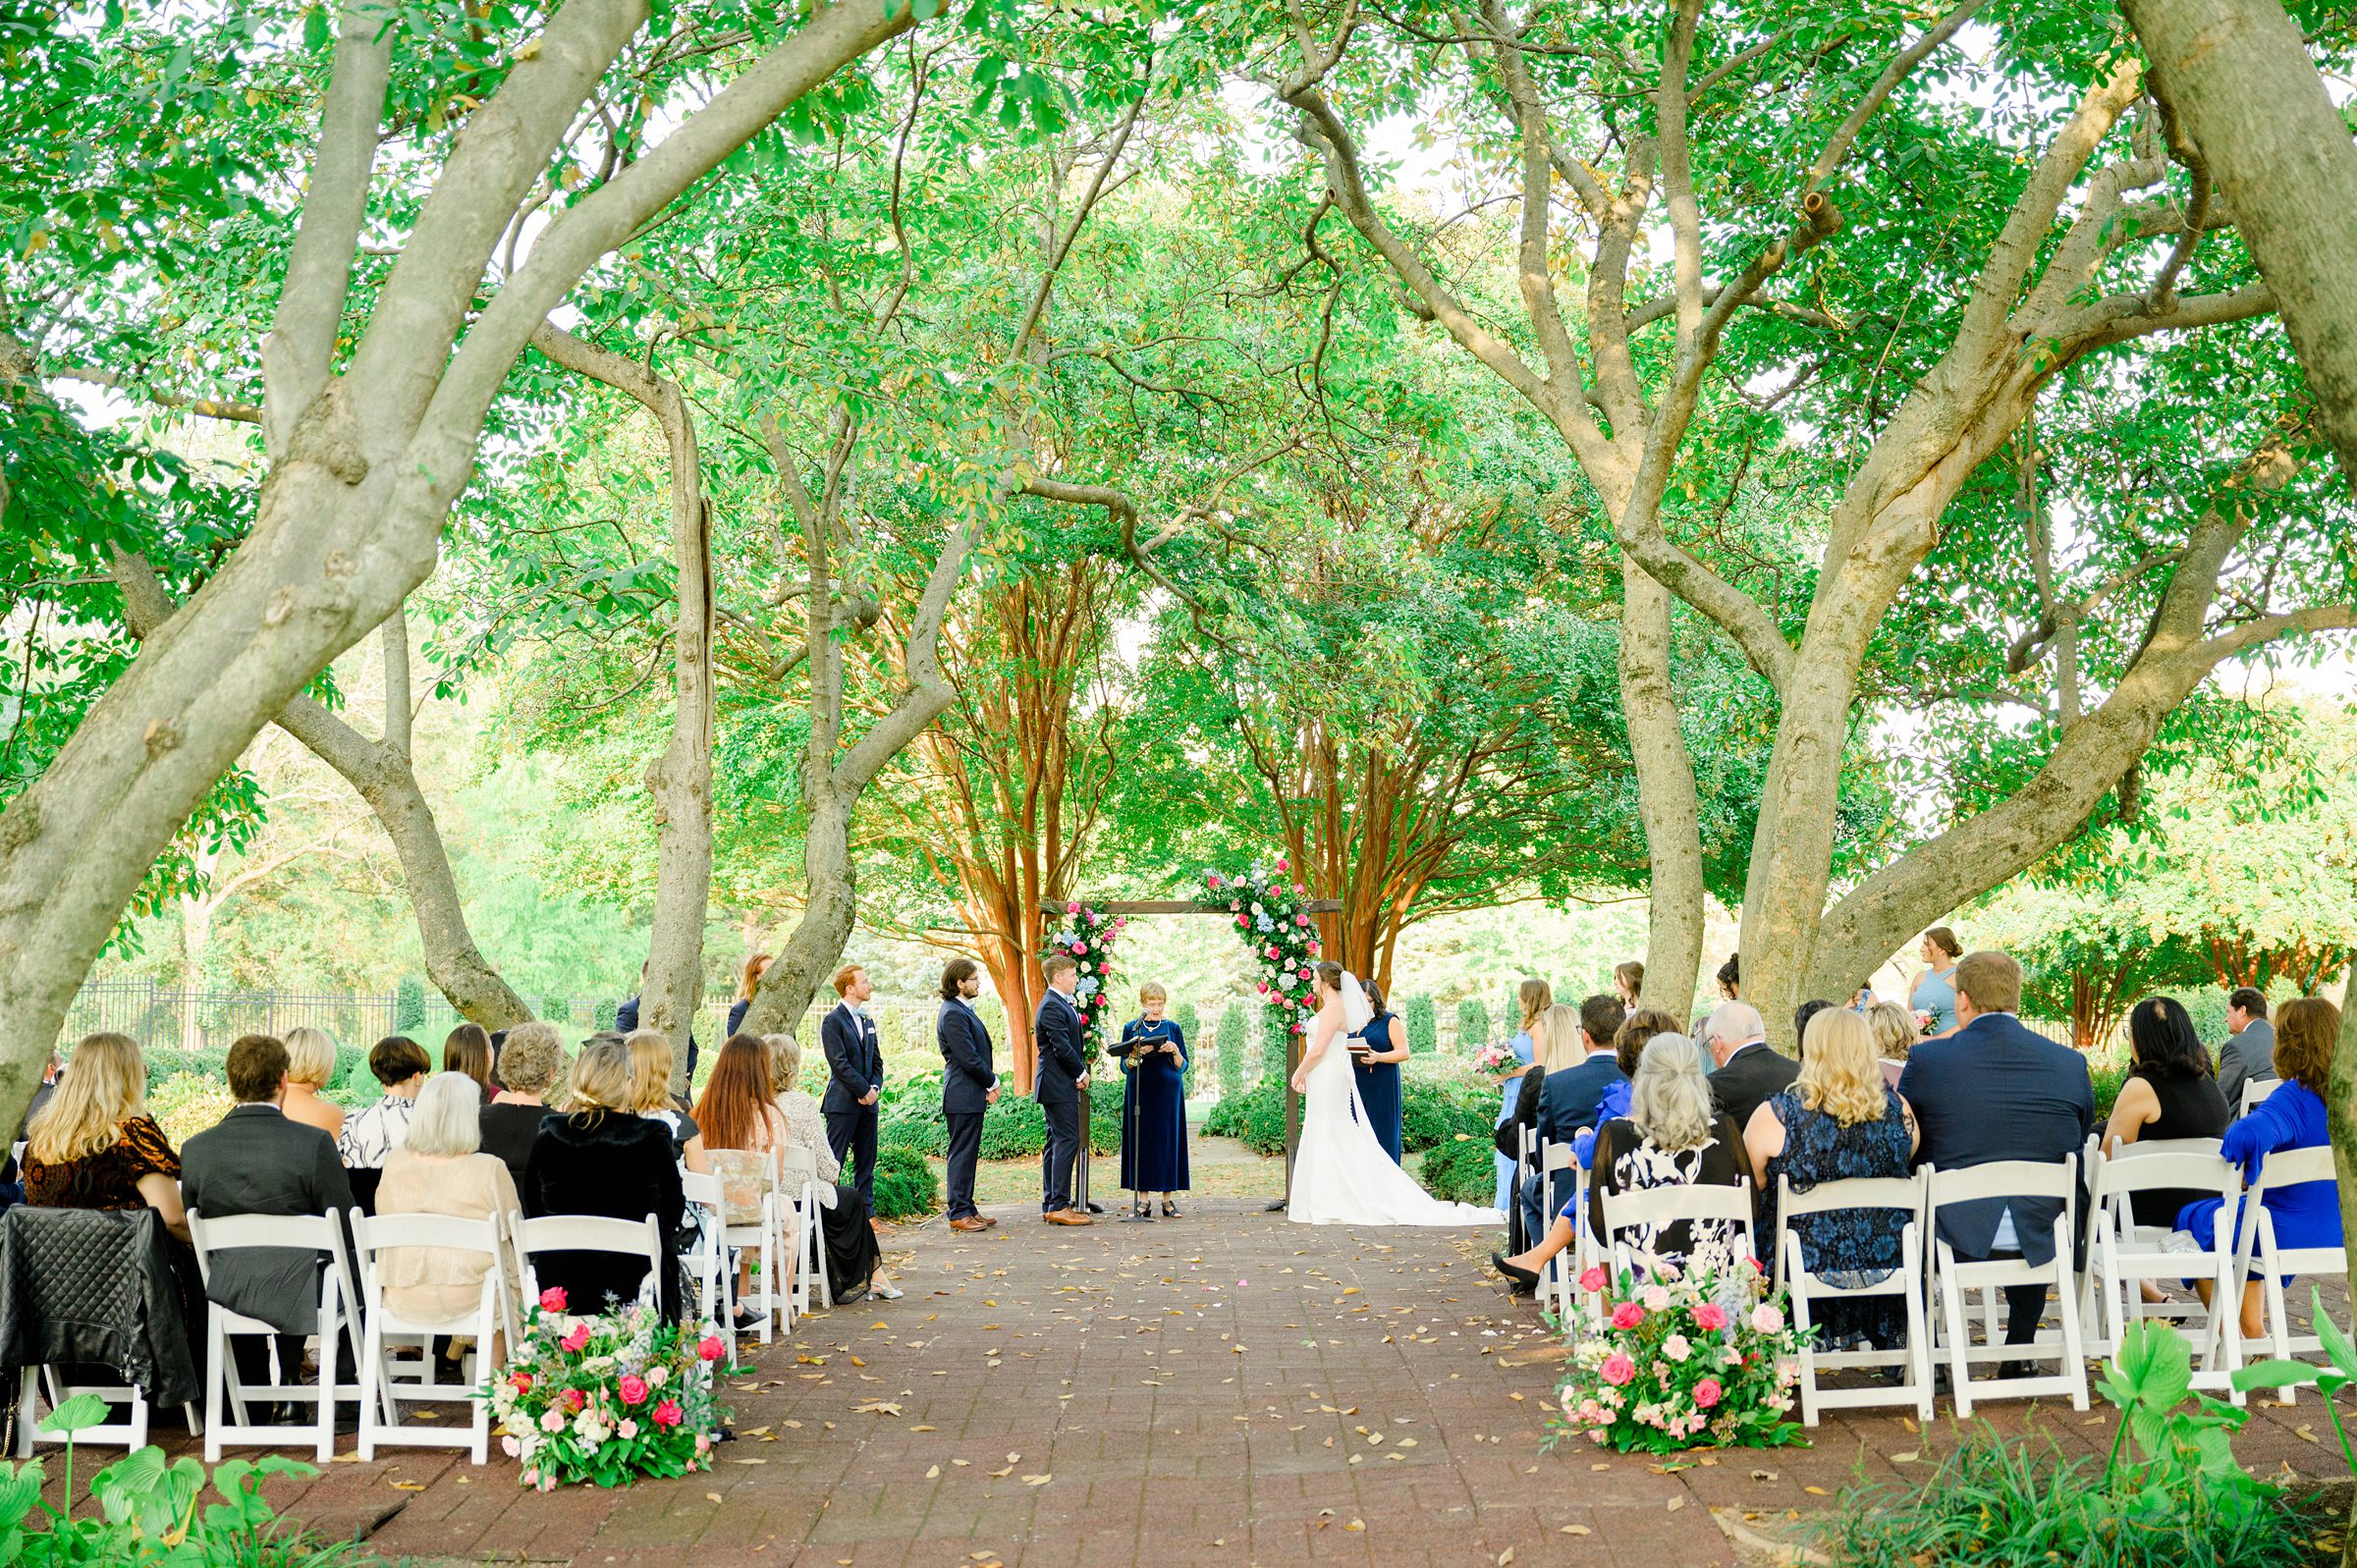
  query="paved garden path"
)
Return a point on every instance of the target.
[{"x": 1224, "y": 1389}]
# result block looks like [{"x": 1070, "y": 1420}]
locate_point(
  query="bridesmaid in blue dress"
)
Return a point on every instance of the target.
[
  {"x": 1535, "y": 998},
  {"x": 1152, "y": 1052},
  {"x": 1376, "y": 1053}
]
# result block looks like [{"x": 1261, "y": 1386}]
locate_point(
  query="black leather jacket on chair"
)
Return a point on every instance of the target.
[{"x": 94, "y": 1287}]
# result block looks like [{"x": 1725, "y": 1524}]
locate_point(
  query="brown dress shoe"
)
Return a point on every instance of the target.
[
  {"x": 1069, "y": 1216},
  {"x": 987, "y": 1220},
  {"x": 969, "y": 1222}
]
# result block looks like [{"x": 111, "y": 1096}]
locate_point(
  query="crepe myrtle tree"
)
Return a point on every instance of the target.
[{"x": 1866, "y": 270}]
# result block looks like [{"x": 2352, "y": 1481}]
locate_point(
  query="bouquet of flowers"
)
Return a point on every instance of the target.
[
  {"x": 1087, "y": 935},
  {"x": 605, "y": 1398},
  {"x": 1284, "y": 939},
  {"x": 1682, "y": 1361},
  {"x": 1494, "y": 1058},
  {"x": 1925, "y": 1024}
]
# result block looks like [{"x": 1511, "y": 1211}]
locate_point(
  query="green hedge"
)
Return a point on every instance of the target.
[
  {"x": 1423, "y": 1026},
  {"x": 908, "y": 1116},
  {"x": 1461, "y": 1171},
  {"x": 408, "y": 1006},
  {"x": 1472, "y": 1024},
  {"x": 905, "y": 1186},
  {"x": 1433, "y": 1110},
  {"x": 1232, "y": 1039},
  {"x": 1014, "y": 1128},
  {"x": 1256, "y": 1117},
  {"x": 1190, "y": 1024}
]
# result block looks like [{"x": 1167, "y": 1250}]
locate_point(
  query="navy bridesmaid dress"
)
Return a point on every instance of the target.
[
  {"x": 1153, "y": 1109},
  {"x": 1379, "y": 1085}
]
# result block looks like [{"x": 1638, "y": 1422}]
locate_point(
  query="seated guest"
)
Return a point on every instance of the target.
[
  {"x": 1800, "y": 1024},
  {"x": 2307, "y": 1214},
  {"x": 310, "y": 1068},
  {"x": 1562, "y": 1100},
  {"x": 1894, "y": 1036},
  {"x": 854, "y": 1265},
  {"x": 400, "y": 1064},
  {"x": 749, "y": 982},
  {"x": 2249, "y": 1055},
  {"x": 1749, "y": 1068},
  {"x": 93, "y": 1145},
  {"x": 1671, "y": 1137},
  {"x": 1997, "y": 1090},
  {"x": 1628, "y": 1042},
  {"x": 529, "y": 1062},
  {"x": 2167, "y": 1094},
  {"x": 742, "y": 1130},
  {"x": 602, "y": 1157},
  {"x": 651, "y": 1095},
  {"x": 441, "y": 1170},
  {"x": 1838, "y": 1122},
  {"x": 259, "y": 1160},
  {"x": 468, "y": 1050}
]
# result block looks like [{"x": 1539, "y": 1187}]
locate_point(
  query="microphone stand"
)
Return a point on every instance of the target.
[{"x": 1138, "y": 1212}]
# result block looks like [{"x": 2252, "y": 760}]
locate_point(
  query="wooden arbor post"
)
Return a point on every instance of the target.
[{"x": 1293, "y": 1041}]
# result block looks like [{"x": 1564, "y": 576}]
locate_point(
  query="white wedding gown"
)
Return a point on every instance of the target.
[{"x": 1341, "y": 1176}]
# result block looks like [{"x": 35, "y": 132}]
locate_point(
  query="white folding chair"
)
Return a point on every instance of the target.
[
  {"x": 763, "y": 1237},
  {"x": 44, "y": 1384},
  {"x": 629, "y": 1238},
  {"x": 707, "y": 1262},
  {"x": 2121, "y": 1255},
  {"x": 338, "y": 1325},
  {"x": 798, "y": 1218},
  {"x": 2256, "y": 1089},
  {"x": 2258, "y": 1256},
  {"x": 1809, "y": 1290},
  {"x": 1655, "y": 1207},
  {"x": 388, "y": 1379},
  {"x": 1954, "y": 1277},
  {"x": 1558, "y": 1286}
]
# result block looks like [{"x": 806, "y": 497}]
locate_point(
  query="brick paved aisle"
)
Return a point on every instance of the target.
[{"x": 1224, "y": 1389}]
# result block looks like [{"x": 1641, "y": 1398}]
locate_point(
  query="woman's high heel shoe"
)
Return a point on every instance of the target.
[{"x": 1524, "y": 1282}]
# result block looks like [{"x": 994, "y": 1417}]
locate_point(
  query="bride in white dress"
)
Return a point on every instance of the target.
[{"x": 1341, "y": 1176}]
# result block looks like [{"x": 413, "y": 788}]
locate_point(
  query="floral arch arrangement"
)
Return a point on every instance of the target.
[
  {"x": 1086, "y": 937},
  {"x": 1284, "y": 939}
]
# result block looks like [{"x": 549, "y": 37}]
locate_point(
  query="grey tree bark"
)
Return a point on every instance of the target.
[
  {"x": 364, "y": 459},
  {"x": 1665, "y": 796},
  {"x": 681, "y": 779},
  {"x": 2237, "y": 76}
]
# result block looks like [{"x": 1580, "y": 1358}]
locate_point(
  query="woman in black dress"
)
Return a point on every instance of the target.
[
  {"x": 1376, "y": 1053},
  {"x": 603, "y": 1159},
  {"x": 1152, "y": 1052},
  {"x": 2170, "y": 1092}
]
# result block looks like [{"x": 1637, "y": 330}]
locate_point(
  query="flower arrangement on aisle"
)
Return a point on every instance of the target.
[
  {"x": 1284, "y": 939},
  {"x": 1679, "y": 1360},
  {"x": 1087, "y": 937},
  {"x": 605, "y": 1398}
]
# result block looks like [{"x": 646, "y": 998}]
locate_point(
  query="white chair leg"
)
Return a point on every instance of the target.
[
  {"x": 216, "y": 1373},
  {"x": 1952, "y": 1301},
  {"x": 2074, "y": 1353},
  {"x": 27, "y": 1408},
  {"x": 372, "y": 1387}
]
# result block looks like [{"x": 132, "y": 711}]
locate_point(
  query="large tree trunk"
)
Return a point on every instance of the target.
[
  {"x": 2239, "y": 78},
  {"x": 1666, "y": 802},
  {"x": 830, "y": 905}
]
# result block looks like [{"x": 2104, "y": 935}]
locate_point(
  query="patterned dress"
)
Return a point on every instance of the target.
[
  {"x": 107, "y": 1179},
  {"x": 1844, "y": 1247}
]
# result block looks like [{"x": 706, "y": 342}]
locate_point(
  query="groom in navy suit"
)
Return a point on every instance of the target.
[
  {"x": 1063, "y": 1060},
  {"x": 856, "y": 1061}
]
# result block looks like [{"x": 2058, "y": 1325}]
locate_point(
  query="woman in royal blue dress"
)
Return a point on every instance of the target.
[
  {"x": 1152, "y": 1052},
  {"x": 1376, "y": 1053}
]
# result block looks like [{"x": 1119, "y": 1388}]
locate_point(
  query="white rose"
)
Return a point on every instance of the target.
[{"x": 657, "y": 1375}]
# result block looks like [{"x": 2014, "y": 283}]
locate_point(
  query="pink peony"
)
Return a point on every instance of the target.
[
  {"x": 1593, "y": 1281},
  {"x": 1706, "y": 1392},
  {"x": 1710, "y": 1314},
  {"x": 1617, "y": 1369},
  {"x": 552, "y": 1420},
  {"x": 1766, "y": 1319},
  {"x": 634, "y": 1389},
  {"x": 578, "y": 1337},
  {"x": 1627, "y": 1316},
  {"x": 709, "y": 1348},
  {"x": 668, "y": 1413},
  {"x": 553, "y": 1299}
]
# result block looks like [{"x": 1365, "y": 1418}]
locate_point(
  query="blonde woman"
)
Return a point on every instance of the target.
[
  {"x": 1555, "y": 1032},
  {"x": 440, "y": 1168},
  {"x": 854, "y": 1264},
  {"x": 1894, "y": 1030},
  {"x": 650, "y": 1096},
  {"x": 1838, "y": 1122},
  {"x": 310, "y": 1068},
  {"x": 603, "y": 1157},
  {"x": 1535, "y": 997},
  {"x": 93, "y": 1145}
]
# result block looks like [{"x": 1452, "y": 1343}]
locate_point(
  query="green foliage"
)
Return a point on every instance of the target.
[
  {"x": 2328, "y": 1381},
  {"x": 1014, "y": 1128},
  {"x": 1461, "y": 1170},
  {"x": 1232, "y": 1042},
  {"x": 1472, "y": 1024},
  {"x": 408, "y": 1006},
  {"x": 1190, "y": 1024},
  {"x": 1423, "y": 1026},
  {"x": 2170, "y": 1492},
  {"x": 1104, "y": 1118},
  {"x": 1256, "y": 1118},
  {"x": 603, "y": 1013},
  {"x": 908, "y": 1115},
  {"x": 185, "y": 1105},
  {"x": 151, "y": 1512},
  {"x": 1435, "y": 1109},
  {"x": 907, "y": 1187},
  {"x": 1276, "y": 1046}
]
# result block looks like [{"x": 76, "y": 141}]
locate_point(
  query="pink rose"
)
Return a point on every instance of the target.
[
  {"x": 1270, "y": 953},
  {"x": 1282, "y": 866},
  {"x": 1617, "y": 1369},
  {"x": 1766, "y": 1319},
  {"x": 553, "y": 1299},
  {"x": 574, "y": 1399},
  {"x": 668, "y": 1413},
  {"x": 1301, "y": 891},
  {"x": 1627, "y": 1315},
  {"x": 1211, "y": 877},
  {"x": 634, "y": 1389},
  {"x": 709, "y": 1348},
  {"x": 1706, "y": 1392},
  {"x": 1071, "y": 909},
  {"x": 578, "y": 1337},
  {"x": 522, "y": 1382},
  {"x": 1710, "y": 1314},
  {"x": 1656, "y": 1299},
  {"x": 1593, "y": 1281},
  {"x": 1240, "y": 920},
  {"x": 1079, "y": 947}
]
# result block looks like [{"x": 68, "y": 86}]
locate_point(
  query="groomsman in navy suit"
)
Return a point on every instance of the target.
[
  {"x": 1063, "y": 1061},
  {"x": 969, "y": 1085},
  {"x": 856, "y": 1058}
]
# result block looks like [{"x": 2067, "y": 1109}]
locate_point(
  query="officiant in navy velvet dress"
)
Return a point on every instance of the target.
[
  {"x": 1152, "y": 1052},
  {"x": 1376, "y": 1053}
]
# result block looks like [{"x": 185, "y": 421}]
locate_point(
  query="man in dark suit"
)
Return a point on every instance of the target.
[
  {"x": 625, "y": 1020},
  {"x": 1567, "y": 1101},
  {"x": 1063, "y": 1060},
  {"x": 2249, "y": 1055},
  {"x": 1995, "y": 1090},
  {"x": 1750, "y": 1071},
  {"x": 856, "y": 1061},
  {"x": 257, "y": 1161},
  {"x": 969, "y": 1085}
]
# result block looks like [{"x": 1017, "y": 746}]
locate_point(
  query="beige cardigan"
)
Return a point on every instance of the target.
[{"x": 433, "y": 1284}]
